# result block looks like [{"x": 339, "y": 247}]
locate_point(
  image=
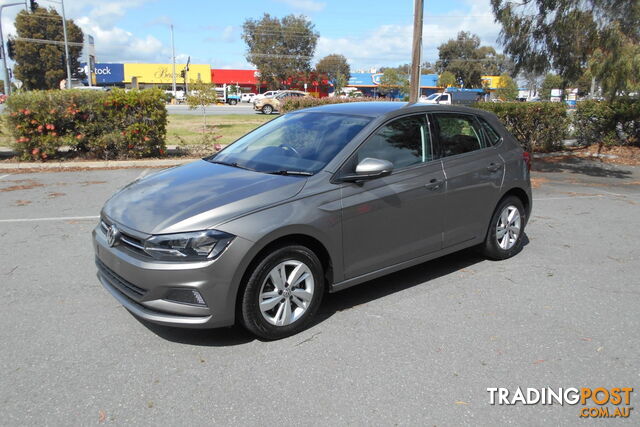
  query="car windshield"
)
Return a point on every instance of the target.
[
  {"x": 432, "y": 97},
  {"x": 302, "y": 142}
]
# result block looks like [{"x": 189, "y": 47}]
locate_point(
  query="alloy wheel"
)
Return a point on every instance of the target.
[
  {"x": 508, "y": 227},
  {"x": 286, "y": 293}
]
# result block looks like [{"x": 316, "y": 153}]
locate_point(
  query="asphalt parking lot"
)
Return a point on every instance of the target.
[{"x": 414, "y": 348}]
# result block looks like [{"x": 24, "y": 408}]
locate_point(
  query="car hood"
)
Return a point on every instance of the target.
[{"x": 196, "y": 196}]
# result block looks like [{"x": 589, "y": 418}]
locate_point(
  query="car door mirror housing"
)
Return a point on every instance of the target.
[{"x": 369, "y": 168}]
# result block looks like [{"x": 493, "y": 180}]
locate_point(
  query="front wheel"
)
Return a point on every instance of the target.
[
  {"x": 233, "y": 102},
  {"x": 267, "y": 109},
  {"x": 506, "y": 230},
  {"x": 283, "y": 293}
]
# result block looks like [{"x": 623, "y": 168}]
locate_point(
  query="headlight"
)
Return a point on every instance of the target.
[{"x": 194, "y": 246}]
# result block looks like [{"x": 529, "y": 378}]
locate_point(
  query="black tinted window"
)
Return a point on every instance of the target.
[
  {"x": 492, "y": 136},
  {"x": 403, "y": 142},
  {"x": 458, "y": 134}
]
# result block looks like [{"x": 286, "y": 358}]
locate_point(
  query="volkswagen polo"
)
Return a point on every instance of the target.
[{"x": 315, "y": 201}]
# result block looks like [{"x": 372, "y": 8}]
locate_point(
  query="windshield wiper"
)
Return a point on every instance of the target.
[
  {"x": 285, "y": 172},
  {"x": 232, "y": 164}
]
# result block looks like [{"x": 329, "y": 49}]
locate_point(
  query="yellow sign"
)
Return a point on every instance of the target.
[
  {"x": 162, "y": 73},
  {"x": 492, "y": 82}
]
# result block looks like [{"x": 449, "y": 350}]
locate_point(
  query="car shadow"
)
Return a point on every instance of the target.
[
  {"x": 577, "y": 165},
  {"x": 363, "y": 293}
]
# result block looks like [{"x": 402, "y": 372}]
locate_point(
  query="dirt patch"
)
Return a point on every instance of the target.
[
  {"x": 22, "y": 184},
  {"x": 22, "y": 202},
  {"x": 623, "y": 155},
  {"x": 54, "y": 195},
  {"x": 538, "y": 181}
]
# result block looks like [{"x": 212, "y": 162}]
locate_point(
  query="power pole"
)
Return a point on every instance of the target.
[
  {"x": 417, "y": 48},
  {"x": 173, "y": 48}
]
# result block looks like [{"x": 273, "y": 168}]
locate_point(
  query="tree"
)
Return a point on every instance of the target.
[
  {"x": 333, "y": 66},
  {"x": 508, "y": 88},
  {"x": 201, "y": 96},
  {"x": 447, "y": 79},
  {"x": 427, "y": 68},
  {"x": 468, "y": 61},
  {"x": 569, "y": 36},
  {"x": 39, "y": 65},
  {"x": 280, "y": 48},
  {"x": 551, "y": 81},
  {"x": 393, "y": 79}
]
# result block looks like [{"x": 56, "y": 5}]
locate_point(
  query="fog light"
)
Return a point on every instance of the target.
[{"x": 186, "y": 296}]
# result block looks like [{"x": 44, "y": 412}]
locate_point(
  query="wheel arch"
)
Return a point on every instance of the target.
[
  {"x": 270, "y": 243},
  {"x": 520, "y": 194}
]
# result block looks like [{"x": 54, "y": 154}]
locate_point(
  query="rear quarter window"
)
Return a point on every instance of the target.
[{"x": 493, "y": 138}]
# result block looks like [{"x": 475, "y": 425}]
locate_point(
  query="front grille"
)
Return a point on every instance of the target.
[
  {"x": 118, "y": 282},
  {"x": 127, "y": 240}
]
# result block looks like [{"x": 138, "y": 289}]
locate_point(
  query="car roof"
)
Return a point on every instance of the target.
[{"x": 388, "y": 108}]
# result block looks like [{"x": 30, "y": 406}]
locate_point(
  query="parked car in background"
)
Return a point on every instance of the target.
[
  {"x": 267, "y": 94},
  {"x": 271, "y": 104},
  {"x": 449, "y": 98},
  {"x": 247, "y": 97},
  {"x": 315, "y": 201}
]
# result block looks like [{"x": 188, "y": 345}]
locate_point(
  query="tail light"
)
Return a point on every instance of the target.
[{"x": 526, "y": 156}]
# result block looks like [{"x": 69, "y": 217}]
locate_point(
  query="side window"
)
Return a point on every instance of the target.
[
  {"x": 404, "y": 142},
  {"x": 458, "y": 134},
  {"x": 492, "y": 136}
]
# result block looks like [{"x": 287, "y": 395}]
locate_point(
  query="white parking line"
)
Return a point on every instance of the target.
[
  {"x": 60, "y": 218},
  {"x": 596, "y": 196},
  {"x": 4, "y": 176}
]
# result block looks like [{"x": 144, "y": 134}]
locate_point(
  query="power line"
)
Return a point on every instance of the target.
[{"x": 43, "y": 41}]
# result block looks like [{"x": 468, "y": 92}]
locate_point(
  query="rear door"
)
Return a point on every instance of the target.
[
  {"x": 395, "y": 218},
  {"x": 473, "y": 171}
]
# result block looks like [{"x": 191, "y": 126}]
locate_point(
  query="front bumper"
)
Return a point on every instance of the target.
[{"x": 142, "y": 284}]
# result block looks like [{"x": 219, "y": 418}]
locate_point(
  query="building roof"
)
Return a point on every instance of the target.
[{"x": 373, "y": 80}]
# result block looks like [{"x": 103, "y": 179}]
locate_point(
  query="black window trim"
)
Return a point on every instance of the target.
[
  {"x": 437, "y": 134},
  {"x": 425, "y": 114}
]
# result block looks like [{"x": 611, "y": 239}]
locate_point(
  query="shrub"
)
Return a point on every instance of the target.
[
  {"x": 88, "y": 122},
  {"x": 292, "y": 104},
  {"x": 608, "y": 122},
  {"x": 539, "y": 126}
]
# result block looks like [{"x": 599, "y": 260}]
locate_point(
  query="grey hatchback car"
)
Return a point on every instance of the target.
[{"x": 315, "y": 201}]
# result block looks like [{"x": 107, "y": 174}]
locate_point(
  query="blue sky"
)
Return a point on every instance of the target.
[{"x": 369, "y": 33}]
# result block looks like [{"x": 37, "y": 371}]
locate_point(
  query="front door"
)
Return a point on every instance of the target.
[{"x": 399, "y": 217}]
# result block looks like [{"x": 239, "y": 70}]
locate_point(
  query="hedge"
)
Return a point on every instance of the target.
[
  {"x": 608, "y": 123},
  {"x": 292, "y": 104},
  {"x": 115, "y": 124},
  {"x": 539, "y": 126}
]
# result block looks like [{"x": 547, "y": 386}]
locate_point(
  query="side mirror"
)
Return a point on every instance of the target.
[{"x": 369, "y": 168}]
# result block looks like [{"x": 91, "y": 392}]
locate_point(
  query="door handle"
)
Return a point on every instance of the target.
[
  {"x": 493, "y": 167},
  {"x": 434, "y": 184}
]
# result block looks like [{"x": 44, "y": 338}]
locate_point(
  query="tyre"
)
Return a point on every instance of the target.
[
  {"x": 283, "y": 293},
  {"x": 506, "y": 230},
  {"x": 233, "y": 102},
  {"x": 267, "y": 109}
]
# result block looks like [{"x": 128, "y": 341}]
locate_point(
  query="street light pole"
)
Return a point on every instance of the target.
[
  {"x": 66, "y": 45},
  {"x": 5, "y": 69},
  {"x": 417, "y": 47},
  {"x": 173, "y": 48}
]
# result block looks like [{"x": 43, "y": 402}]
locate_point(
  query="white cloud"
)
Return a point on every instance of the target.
[
  {"x": 304, "y": 5},
  {"x": 116, "y": 44},
  {"x": 391, "y": 44}
]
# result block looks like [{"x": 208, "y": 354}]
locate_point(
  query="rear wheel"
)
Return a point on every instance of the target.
[
  {"x": 233, "y": 102},
  {"x": 283, "y": 292},
  {"x": 506, "y": 231},
  {"x": 267, "y": 109}
]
